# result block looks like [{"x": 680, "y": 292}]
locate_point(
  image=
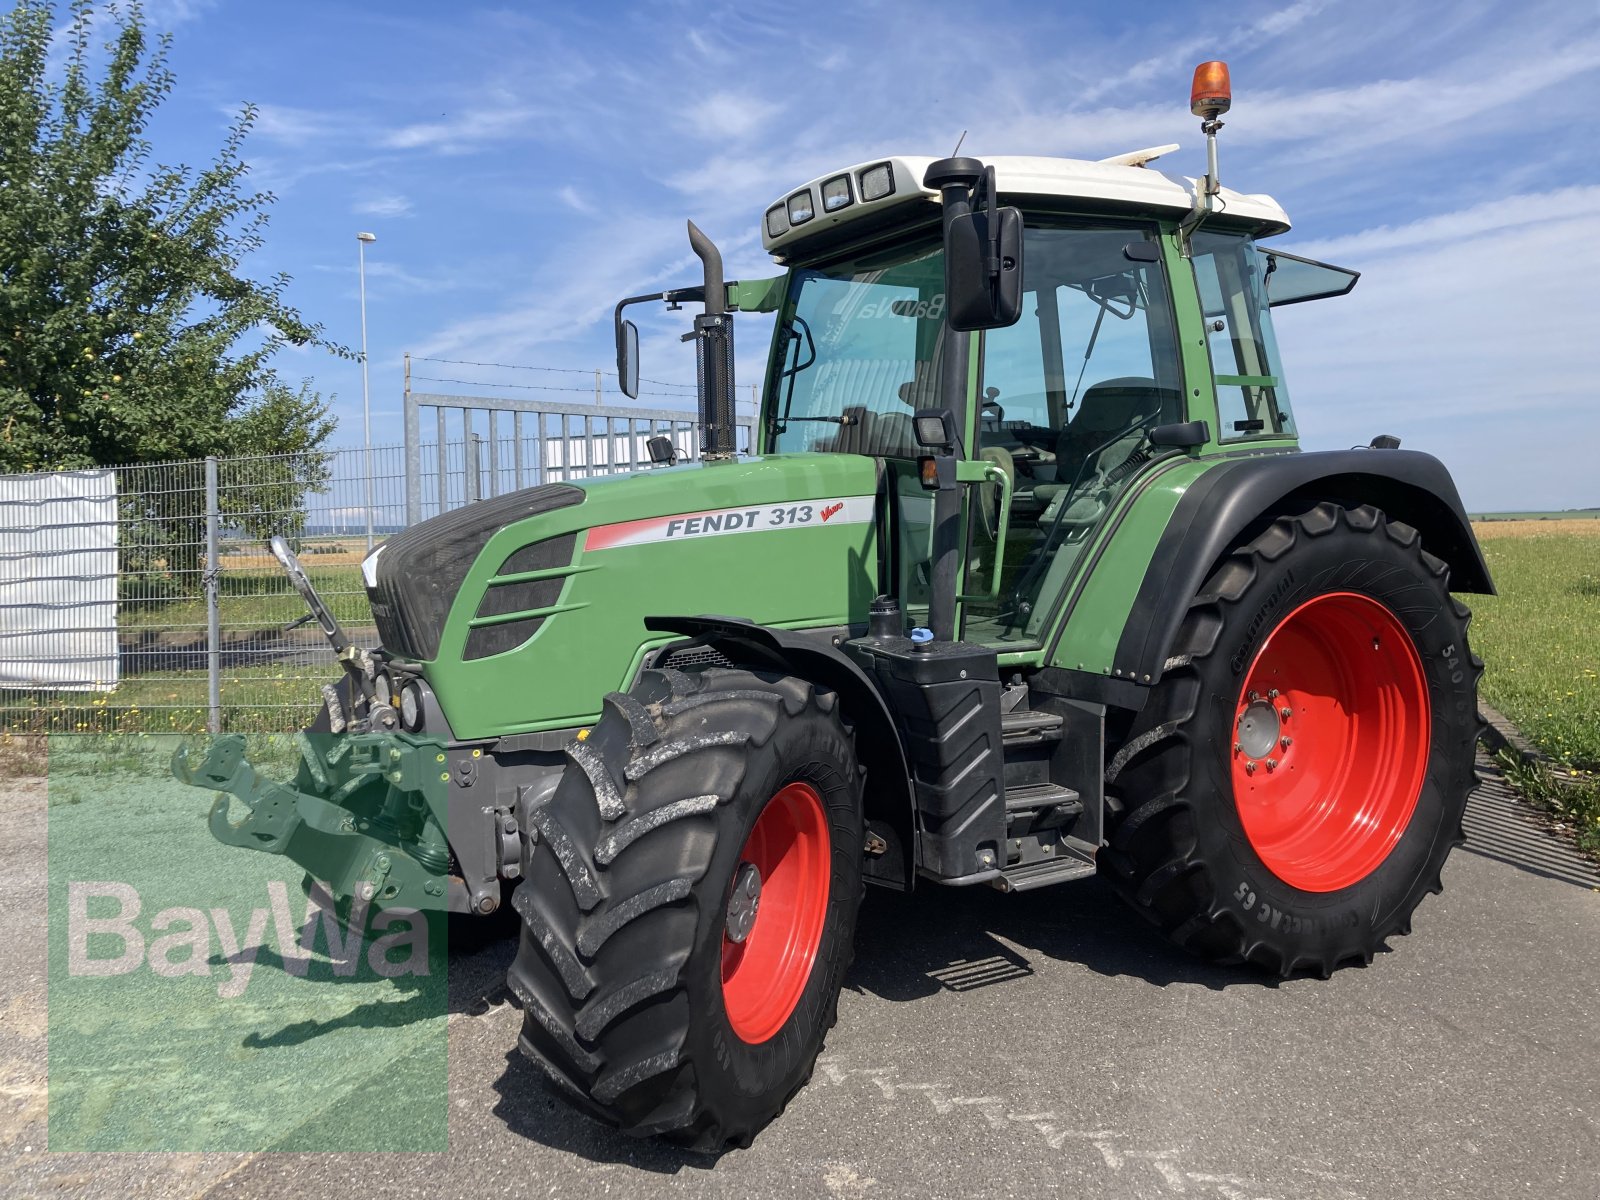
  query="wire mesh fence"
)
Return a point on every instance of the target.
[{"x": 143, "y": 598}]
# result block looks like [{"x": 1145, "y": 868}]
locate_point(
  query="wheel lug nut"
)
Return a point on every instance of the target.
[
  {"x": 1250, "y": 767},
  {"x": 1285, "y": 742},
  {"x": 1238, "y": 747},
  {"x": 1253, "y": 697},
  {"x": 1272, "y": 764},
  {"x": 1286, "y": 712},
  {"x": 1273, "y": 694}
]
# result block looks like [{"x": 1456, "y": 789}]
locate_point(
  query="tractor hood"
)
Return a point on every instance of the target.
[{"x": 545, "y": 590}]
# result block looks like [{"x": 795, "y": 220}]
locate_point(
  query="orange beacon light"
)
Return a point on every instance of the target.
[{"x": 1212, "y": 94}]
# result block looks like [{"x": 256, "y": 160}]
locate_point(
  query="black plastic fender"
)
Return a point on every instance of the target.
[
  {"x": 889, "y": 803},
  {"x": 1232, "y": 502}
]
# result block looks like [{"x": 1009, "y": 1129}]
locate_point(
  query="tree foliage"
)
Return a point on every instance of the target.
[{"x": 129, "y": 330}]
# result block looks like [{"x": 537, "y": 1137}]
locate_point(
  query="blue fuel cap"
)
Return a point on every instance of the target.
[{"x": 921, "y": 637}]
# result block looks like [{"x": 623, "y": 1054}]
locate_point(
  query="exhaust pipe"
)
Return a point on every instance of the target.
[{"x": 713, "y": 338}]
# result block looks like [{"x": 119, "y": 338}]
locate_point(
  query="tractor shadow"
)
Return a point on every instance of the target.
[{"x": 958, "y": 939}]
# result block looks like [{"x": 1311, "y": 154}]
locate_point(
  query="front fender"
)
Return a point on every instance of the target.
[{"x": 889, "y": 800}]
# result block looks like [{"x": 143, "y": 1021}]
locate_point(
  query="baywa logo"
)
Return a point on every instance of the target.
[{"x": 178, "y": 941}]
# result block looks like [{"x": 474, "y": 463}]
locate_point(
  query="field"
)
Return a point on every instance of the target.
[{"x": 1538, "y": 641}]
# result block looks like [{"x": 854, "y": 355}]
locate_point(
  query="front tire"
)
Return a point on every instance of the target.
[
  {"x": 690, "y": 902},
  {"x": 1292, "y": 788}
]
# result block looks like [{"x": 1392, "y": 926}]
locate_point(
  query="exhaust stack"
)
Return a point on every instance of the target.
[{"x": 713, "y": 338}]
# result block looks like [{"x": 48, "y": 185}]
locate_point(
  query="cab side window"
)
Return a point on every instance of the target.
[{"x": 1252, "y": 401}]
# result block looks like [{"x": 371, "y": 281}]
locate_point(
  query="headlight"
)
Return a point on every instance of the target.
[
  {"x": 411, "y": 707},
  {"x": 836, "y": 193},
  {"x": 383, "y": 688},
  {"x": 801, "y": 209},
  {"x": 777, "y": 222},
  {"x": 369, "y": 568},
  {"x": 877, "y": 182}
]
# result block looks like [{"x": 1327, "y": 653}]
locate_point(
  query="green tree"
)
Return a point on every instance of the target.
[{"x": 129, "y": 330}]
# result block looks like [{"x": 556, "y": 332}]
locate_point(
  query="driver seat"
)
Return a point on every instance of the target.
[
  {"x": 1083, "y": 450},
  {"x": 1108, "y": 427}
]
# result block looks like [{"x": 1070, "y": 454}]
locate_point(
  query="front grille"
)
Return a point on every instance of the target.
[
  {"x": 421, "y": 569},
  {"x": 519, "y": 597}
]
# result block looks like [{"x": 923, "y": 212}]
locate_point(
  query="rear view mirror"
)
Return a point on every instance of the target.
[
  {"x": 628, "y": 359},
  {"x": 983, "y": 269}
]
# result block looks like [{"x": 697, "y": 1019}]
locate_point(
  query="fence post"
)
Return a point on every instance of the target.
[
  {"x": 474, "y": 484},
  {"x": 414, "y": 457},
  {"x": 213, "y": 586}
]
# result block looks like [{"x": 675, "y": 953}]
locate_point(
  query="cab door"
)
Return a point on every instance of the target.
[{"x": 1066, "y": 399}]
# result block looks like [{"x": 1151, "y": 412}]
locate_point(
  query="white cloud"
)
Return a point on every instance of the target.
[
  {"x": 383, "y": 206},
  {"x": 730, "y": 115},
  {"x": 1507, "y": 212},
  {"x": 573, "y": 199},
  {"x": 292, "y": 126},
  {"x": 463, "y": 131}
]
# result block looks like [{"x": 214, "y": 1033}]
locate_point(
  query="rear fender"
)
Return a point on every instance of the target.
[
  {"x": 889, "y": 806},
  {"x": 1235, "y": 500}
]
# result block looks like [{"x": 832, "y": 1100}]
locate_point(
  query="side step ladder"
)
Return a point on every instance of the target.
[{"x": 1028, "y": 735}]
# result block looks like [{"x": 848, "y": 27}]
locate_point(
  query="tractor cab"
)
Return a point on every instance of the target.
[{"x": 1101, "y": 374}]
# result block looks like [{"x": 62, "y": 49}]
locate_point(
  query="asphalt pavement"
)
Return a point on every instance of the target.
[{"x": 1046, "y": 1043}]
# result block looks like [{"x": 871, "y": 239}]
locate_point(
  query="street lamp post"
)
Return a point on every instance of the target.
[{"x": 366, "y": 399}]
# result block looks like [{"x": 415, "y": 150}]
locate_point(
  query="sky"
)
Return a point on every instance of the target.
[{"x": 525, "y": 165}]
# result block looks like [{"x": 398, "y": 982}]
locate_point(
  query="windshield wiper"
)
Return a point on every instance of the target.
[{"x": 779, "y": 424}]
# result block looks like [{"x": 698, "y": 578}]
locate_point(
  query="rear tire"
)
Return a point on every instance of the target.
[
  {"x": 1297, "y": 779},
  {"x": 637, "y": 1003}
]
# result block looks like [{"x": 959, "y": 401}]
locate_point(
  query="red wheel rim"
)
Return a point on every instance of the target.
[
  {"x": 764, "y": 975},
  {"x": 1330, "y": 742}
]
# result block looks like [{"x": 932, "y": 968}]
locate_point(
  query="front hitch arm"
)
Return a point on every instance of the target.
[{"x": 274, "y": 811}]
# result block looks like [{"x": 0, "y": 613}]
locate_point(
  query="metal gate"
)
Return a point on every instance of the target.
[{"x": 485, "y": 445}]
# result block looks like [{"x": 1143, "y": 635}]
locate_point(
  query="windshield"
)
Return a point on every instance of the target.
[{"x": 857, "y": 352}]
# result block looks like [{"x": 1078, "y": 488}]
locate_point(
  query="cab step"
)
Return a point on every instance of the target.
[
  {"x": 1036, "y": 797},
  {"x": 1025, "y": 728},
  {"x": 1042, "y": 874}
]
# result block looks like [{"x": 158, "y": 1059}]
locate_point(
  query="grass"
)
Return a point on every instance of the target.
[{"x": 1542, "y": 670}]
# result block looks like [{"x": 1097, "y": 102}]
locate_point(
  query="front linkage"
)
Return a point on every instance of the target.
[
  {"x": 375, "y": 834},
  {"x": 366, "y": 816}
]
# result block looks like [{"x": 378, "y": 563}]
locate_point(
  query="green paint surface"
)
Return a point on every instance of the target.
[{"x": 796, "y": 575}]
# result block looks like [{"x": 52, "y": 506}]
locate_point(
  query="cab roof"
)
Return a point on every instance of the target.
[{"x": 1122, "y": 184}]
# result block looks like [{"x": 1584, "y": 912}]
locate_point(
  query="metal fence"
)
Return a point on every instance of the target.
[
  {"x": 464, "y": 448},
  {"x": 160, "y": 609},
  {"x": 143, "y": 598}
]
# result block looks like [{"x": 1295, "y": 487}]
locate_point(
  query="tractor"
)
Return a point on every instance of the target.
[{"x": 1024, "y": 577}]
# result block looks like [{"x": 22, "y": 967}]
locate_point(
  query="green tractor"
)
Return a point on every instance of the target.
[{"x": 1024, "y": 578}]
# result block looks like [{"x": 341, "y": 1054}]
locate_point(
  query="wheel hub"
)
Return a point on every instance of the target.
[
  {"x": 743, "y": 903},
  {"x": 1259, "y": 729}
]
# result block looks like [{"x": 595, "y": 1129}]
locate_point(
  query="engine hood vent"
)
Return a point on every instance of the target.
[{"x": 422, "y": 568}]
